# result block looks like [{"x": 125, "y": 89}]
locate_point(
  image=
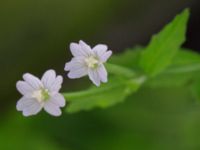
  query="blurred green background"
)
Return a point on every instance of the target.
[{"x": 35, "y": 36}]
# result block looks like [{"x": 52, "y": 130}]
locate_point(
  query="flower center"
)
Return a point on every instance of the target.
[
  {"x": 91, "y": 62},
  {"x": 41, "y": 95}
]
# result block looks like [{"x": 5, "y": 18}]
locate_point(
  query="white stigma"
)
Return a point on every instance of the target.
[
  {"x": 41, "y": 95},
  {"x": 92, "y": 62}
]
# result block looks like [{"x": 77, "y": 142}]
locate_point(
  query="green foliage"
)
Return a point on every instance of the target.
[
  {"x": 163, "y": 63},
  {"x": 164, "y": 46},
  {"x": 129, "y": 58},
  {"x": 185, "y": 61},
  {"x": 184, "y": 70},
  {"x": 195, "y": 90},
  {"x": 115, "y": 91},
  {"x": 185, "y": 67}
]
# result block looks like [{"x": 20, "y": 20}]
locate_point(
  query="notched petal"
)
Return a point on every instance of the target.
[
  {"x": 94, "y": 77},
  {"x": 57, "y": 84},
  {"x": 58, "y": 99},
  {"x": 100, "y": 49},
  {"x": 102, "y": 73},
  {"x": 24, "y": 88},
  {"x": 52, "y": 109},
  {"x": 106, "y": 55},
  {"x": 33, "y": 81},
  {"x": 48, "y": 78},
  {"x": 77, "y": 73},
  {"x": 29, "y": 106},
  {"x": 85, "y": 48},
  {"x": 75, "y": 49}
]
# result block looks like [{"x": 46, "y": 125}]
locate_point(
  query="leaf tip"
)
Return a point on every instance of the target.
[{"x": 186, "y": 13}]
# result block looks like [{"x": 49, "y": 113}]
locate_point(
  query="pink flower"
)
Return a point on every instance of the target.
[
  {"x": 38, "y": 94},
  {"x": 88, "y": 61}
]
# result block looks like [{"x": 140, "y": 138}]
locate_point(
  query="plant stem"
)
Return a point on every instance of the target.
[
  {"x": 84, "y": 93},
  {"x": 120, "y": 70},
  {"x": 131, "y": 83},
  {"x": 185, "y": 69},
  {"x": 113, "y": 69}
]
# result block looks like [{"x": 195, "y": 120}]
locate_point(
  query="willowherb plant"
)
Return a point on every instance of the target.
[{"x": 162, "y": 63}]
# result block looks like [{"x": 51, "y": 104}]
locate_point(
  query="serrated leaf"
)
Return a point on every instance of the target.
[
  {"x": 185, "y": 61},
  {"x": 185, "y": 67},
  {"x": 184, "y": 70},
  {"x": 164, "y": 46},
  {"x": 115, "y": 91}
]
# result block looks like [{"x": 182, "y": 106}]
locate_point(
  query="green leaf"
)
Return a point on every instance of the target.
[
  {"x": 185, "y": 61},
  {"x": 129, "y": 58},
  {"x": 164, "y": 46},
  {"x": 120, "y": 71},
  {"x": 195, "y": 90},
  {"x": 170, "y": 80},
  {"x": 184, "y": 70},
  {"x": 115, "y": 91}
]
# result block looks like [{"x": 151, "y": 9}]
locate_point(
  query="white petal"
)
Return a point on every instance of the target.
[
  {"x": 24, "y": 88},
  {"x": 57, "y": 84},
  {"x": 85, "y": 48},
  {"x": 76, "y": 67},
  {"x": 58, "y": 99},
  {"x": 29, "y": 106},
  {"x": 32, "y": 110},
  {"x": 68, "y": 66},
  {"x": 94, "y": 76},
  {"x": 100, "y": 49},
  {"x": 48, "y": 78},
  {"x": 76, "y": 50},
  {"x": 105, "y": 56},
  {"x": 102, "y": 53},
  {"x": 77, "y": 73},
  {"x": 33, "y": 81},
  {"x": 75, "y": 63},
  {"x": 102, "y": 73},
  {"x": 52, "y": 108},
  {"x": 24, "y": 102}
]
